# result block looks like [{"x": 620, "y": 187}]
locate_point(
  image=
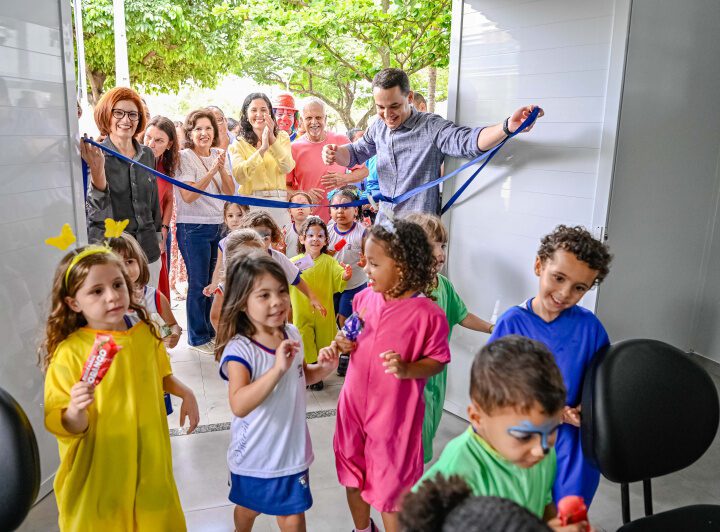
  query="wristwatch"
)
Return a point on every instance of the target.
[{"x": 506, "y": 130}]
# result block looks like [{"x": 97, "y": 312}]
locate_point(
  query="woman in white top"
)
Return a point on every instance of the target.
[{"x": 199, "y": 218}]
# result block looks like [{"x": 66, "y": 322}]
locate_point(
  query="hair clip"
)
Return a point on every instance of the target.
[
  {"x": 64, "y": 240},
  {"x": 387, "y": 224}
]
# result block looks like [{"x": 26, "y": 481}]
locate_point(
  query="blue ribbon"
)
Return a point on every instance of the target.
[{"x": 276, "y": 204}]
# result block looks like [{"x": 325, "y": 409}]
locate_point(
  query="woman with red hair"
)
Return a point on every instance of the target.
[{"x": 119, "y": 190}]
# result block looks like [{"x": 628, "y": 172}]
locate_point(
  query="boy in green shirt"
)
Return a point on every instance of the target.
[
  {"x": 517, "y": 398},
  {"x": 456, "y": 313}
]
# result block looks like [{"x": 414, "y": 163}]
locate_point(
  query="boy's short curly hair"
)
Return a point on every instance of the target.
[
  {"x": 447, "y": 505},
  {"x": 514, "y": 371},
  {"x": 407, "y": 244},
  {"x": 578, "y": 241}
]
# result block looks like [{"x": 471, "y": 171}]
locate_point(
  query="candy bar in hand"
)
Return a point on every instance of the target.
[
  {"x": 353, "y": 327},
  {"x": 572, "y": 509},
  {"x": 340, "y": 244},
  {"x": 96, "y": 366}
]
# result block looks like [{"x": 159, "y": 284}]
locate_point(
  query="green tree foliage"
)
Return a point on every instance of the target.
[
  {"x": 331, "y": 49},
  {"x": 170, "y": 42}
]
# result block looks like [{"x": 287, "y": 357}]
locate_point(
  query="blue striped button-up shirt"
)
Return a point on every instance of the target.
[{"x": 412, "y": 154}]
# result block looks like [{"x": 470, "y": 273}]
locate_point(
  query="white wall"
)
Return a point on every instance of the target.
[
  {"x": 566, "y": 57},
  {"x": 38, "y": 165}
]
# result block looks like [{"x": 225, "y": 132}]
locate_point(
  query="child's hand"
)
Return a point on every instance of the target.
[
  {"x": 571, "y": 416},
  {"x": 82, "y": 394},
  {"x": 329, "y": 357},
  {"x": 345, "y": 345},
  {"x": 583, "y": 526},
  {"x": 362, "y": 262},
  {"x": 189, "y": 409},
  {"x": 209, "y": 290},
  {"x": 285, "y": 355},
  {"x": 348, "y": 271},
  {"x": 318, "y": 306},
  {"x": 172, "y": 340},
  {"x": 394, "y": 365}
]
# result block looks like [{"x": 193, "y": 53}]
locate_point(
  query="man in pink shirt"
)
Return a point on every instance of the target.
[{"x": 309, "y": 167}]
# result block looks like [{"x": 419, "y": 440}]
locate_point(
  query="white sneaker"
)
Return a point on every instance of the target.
[{"x": 206, "y": 349}]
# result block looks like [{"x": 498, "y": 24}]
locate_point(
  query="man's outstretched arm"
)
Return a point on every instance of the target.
[{"x": 491, "y": 136}]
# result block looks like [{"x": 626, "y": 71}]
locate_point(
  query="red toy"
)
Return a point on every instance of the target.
[
  {"x": 572, "y": 509},
  {"x": 102, "y": 354},
  {"x": 340, "y": 244}
]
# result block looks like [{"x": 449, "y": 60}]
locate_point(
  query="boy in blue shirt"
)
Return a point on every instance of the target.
[{"x": 569, "y": 263}]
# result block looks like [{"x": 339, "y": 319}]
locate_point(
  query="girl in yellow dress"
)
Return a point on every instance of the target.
[
  {"x": 325, "y": 277},
  {"x": 115, "y": 470}
]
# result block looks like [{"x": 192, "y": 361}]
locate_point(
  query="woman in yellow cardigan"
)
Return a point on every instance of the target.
[{"x": 261, "y": 155}]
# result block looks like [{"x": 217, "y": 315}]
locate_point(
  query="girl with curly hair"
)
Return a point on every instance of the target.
[{"x": 404, "y": 341}]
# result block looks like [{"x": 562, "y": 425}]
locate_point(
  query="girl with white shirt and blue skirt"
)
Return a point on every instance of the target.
[{"x": 261, "y": 357}]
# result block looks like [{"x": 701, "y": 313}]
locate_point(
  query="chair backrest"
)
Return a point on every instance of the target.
[
  {"x": 647, "y": 410},
  {"x": 19, "y": 463}
]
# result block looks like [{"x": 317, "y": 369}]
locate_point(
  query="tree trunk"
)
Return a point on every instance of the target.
[
  {"x": 97, "y": 81},
  {"x": 384, "y": 52},
  {"x": 432, "y": 83},
  {"x": 362, "y": 123}
]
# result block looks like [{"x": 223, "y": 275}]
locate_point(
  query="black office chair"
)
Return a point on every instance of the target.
[
  {"x": 19, "y": 463},
  {"x": 649, "y": 410}
]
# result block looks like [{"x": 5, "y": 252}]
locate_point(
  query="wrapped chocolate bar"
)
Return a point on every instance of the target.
[
  {"x": 340, "y": 244},
  {"x": 353, "y": 327},
  {"x": 102, "y": 354}
]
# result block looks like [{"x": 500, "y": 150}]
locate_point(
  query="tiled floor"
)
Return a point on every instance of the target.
[{"x": 201, "y": 471}]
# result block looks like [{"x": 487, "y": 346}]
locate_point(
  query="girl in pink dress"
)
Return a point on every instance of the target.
[{"x": 378, "y": 435}]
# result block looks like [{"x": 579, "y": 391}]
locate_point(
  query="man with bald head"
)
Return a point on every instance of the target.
[{"x": 311, "y": 174}]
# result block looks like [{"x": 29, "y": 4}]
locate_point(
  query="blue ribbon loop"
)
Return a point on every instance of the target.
[{"x": 276, "y": 204}]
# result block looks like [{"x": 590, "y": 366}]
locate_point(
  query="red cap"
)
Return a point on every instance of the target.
[{"x": 284, "y": 99}]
